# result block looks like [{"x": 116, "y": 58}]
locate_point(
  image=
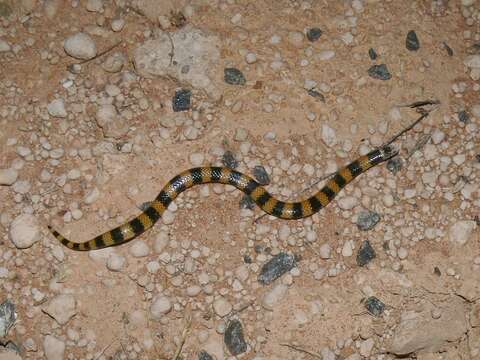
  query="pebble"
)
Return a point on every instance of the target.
[
  {"x": 325, "y": 251},
  {"x": 402, "y": 253},
  {"x": 251, "y": 58},
  {"x": 114, "y": 62},
  {"x": 80, "y": 46},
  {"x": 365, "y": 254},
  {"x": 241, "y": 134},
  {"x": 366, "y": 347},
  {"x": 4, "y": 46},
  {"x": 284, "y": 232},
  {"x": 347, "y": 249},
  {"x": 115, "y": 262},
  {"x": 54, "y": 348},
  {"x": 372, "y": 54},
  {"x": 234, "y": 338},
  {"x": 276, "y": 267},
  {"x": 181, "y": 100},
  {"x": 112, "y": 124},
  {"x": 203, "y": 355},
  {"x": 8, "y": 176},
  {"x": 161, "y": 242},
  {"x": 117, "y": 25},
  {"x": 56, "y": 108},
  {"x": 234, "y": 76},
  {"x": 229, "y": 160},
  {"x": 379, "y": 72},
  {"x": 274, "y": 296},
  {"x": 347, "y": 202},
  {"x": 328, "y": 136},
  {"x": 368, "y": 219},
  {"x": 463, "y": 117},
  {"x": 161, "y": 305},
  {"x": 472, "y": 61},
  {"x": 326, "y": 55},
  {"x": 295, "y": 38},
  {"x": 461, "y": 231},
  {"x": 261, "y": 175},
  {"x": 62, "y": 308},
  {"x": 412, "y": 43},
  {"x": 21, "y": 187},
  {"x": 196, "y": 159},
  {"x": 139, "y": 249},
  {"x": 314, "y": 34},
  {"x": 222, "y": 307},
  {"x": 91, "y": 196},
  {"x": 24, "y": 231},
  {"x": 374, "y": 306}
]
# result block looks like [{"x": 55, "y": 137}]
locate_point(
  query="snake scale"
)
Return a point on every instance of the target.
[{"x": 224, "y": 175}]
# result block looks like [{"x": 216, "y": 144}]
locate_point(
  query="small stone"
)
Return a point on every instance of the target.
[
  {"x": 234, "y": 76},
  {"x": 181, "y": 100},
  {"x": 379, "y": 72},
  {"x": 472, "y": 61},
  {"x": 94, "y": 5},
  {"x": 372, "y": 54},
  {"x": 250, "y": 58},
  {"x": 4, "y": 46},
  {"x": 7, "y": 317},
  {"x": 325, "y": 251},
  {"x": 115, "y": 262},
  {"x": 114, "y": 62},
  {"x": 222, "y": 307},
  {"x": 161, "y": 305},
  {"x": 374, "y": 306},
  {"x": 276, "y": 267},
  {"x": 62, "y": 308},
  {"x": 347, "y": 249},
  {"x": 8, "y": 176},
  {"x": 461, "y": 231},
  {"x": 56, "y": 108},
  {"x": 295, "y": 38},
  {"x": 80, "y": 46},
  {"x": 274, "y": 296},
  {"x": 316, "y": 94},
  {"x": 139, "y": 249},
  {"x": 228, "y": 160},
  {"x": 234, "y": 339},
  {"x": 261, "y": 175},
  {"x": 112, "y": 124},
  {"x": 464, "y": 117},
  {"x": 203, "y": 355},
  {"x": 367, "y": 220},
  {"x": 314, "y": 34},
  {"x": 325, "y": 55},
  {"x": 347, "y": 202},
  {"x": 54, "y": 348},
  {"x": 91, "y": 196},
  {"x": 412, "y": 43},
  {"x": 394, "y": 165},
  {"x": 365, "y": 254},
  {"x": 328, "y": 136},
  {"x": 196, "y": 159},
  {"x": 117, "y": 25},
  {"x": 366, "y": 347},
  {"x": 241, "y": 134},
  {"x": 24, "y": 231}
]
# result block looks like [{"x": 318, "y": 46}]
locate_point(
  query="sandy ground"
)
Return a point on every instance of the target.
[{"x": 173, "y": 292}]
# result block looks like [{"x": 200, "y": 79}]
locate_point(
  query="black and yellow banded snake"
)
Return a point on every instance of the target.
[{"x": 224, "y": 175}]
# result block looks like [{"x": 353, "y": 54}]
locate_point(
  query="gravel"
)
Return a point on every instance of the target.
[
  {"x": 8, "y": 176},
  {"x": 379, "y": 72},
  {"x": 181, "y": 100},
  {"x": 461, "y": 231},
  {"x": 314, "y": 34},
  {"x": 24, "y": 231},
  {"x": 368, "y": 219},
  {"x": 80, "y": 46},
  {"x": 54, "y": 348},
  {"x": 234, "y": 76},
  {"x": 276, "y": 267},
  {"x": 222, "y": 307},
  {"x": 161, "y": 305},
  {"x": 62, "y": 308},
  {"x": 234, "y": 338},
  {"x": 412, "y": 43},
  {"x": 365, "y": 254},
  {"x": 374, "y": 306}
]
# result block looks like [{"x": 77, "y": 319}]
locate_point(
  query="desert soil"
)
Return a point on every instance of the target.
[{"x": 92, "y": 126}]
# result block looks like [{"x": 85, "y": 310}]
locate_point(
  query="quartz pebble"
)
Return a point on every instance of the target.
[
  {"x": 62, "y": 308},
  {"x": 24, "y": 231},
  {"x": 461, "y": 231},
  {"x": 161, "y": 305},
  {"x": 54, "y": 348},
  {"x": 115, "y": 262},
  {"x": 8, "y": 176},
  {"x": 222, "y": 307},
  {"x": 80, "y": 46},
  {"x": 56, "y": 108},
  {"x": 139, "y": 249}
]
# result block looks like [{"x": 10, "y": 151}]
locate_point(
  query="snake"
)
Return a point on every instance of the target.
[{"x": 225, "y": 175}]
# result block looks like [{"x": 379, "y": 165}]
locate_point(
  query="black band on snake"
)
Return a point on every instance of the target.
[{"x": 224, "y": 175}]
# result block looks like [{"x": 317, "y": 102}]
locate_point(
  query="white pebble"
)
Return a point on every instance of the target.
[
  {"x": 274, "y": 296},
  {"x": 8, "y": 176},
  {"x": 24, "y": 231},
  {"x": 250, "y": 58},
  {"x": 196, "y": 159},
  {"x": 62, "y": 308},
  {"x": 91, "y": 196},
  {"x": 4, "y": 46},
  {"x": 326, "y": 55},
  {"x": 328, "y": 135},
  {"x": 461, "y": 231},
  {"x": 222, "y": 307},
  {"x": 56, "y": 108},
  {"x": 347, "y": 250},
  {"x": 117, "y": 24},
  {"x": 325, "y": 251},
  {"x": 168, "y": 217},
  {"x": 80, "y": 46},
  {"x": 139, "y": 249},
  {"x": 347, "y": 202},
  {"x": 54, "y": 348},
  {"x": 161, "y": 305},
  {"x": 115, "y": 262}
]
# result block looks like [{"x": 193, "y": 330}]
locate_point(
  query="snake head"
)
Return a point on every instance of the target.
[{"x": 388, "y": 152}]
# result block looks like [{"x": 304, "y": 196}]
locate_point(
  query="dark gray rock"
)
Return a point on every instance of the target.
[
  {"x": 314, "y": 34},
  {"x": 234, "y": 76},
  {"x": 228, "y": 160},
  {"x": 367, "y": 220},
  {"x": 394, "y": 165},
  {"x": 234, "y": 339},
  {"x": 412, "y": 43},
  {"x": 372, "y": 54},
  {"x": 374, "y": 306},
  {"x": 276, "y": 267},
  {"x": 203, "y": 355},
  {"x": 181, "y": 100},
  {"x": 379, "y": 72},
  {"x": 365, "y": 254}
]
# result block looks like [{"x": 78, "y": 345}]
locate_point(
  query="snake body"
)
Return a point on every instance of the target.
[{"x": 224, "y": 175}]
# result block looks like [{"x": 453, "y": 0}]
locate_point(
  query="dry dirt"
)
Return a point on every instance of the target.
[{"x": 427, "y": 262}]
